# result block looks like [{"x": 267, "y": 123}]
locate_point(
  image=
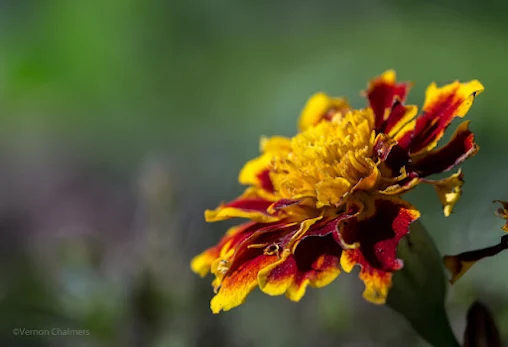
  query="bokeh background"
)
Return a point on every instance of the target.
[{"x": 122, "y": 120}]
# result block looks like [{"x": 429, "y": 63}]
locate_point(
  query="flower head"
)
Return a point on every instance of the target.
[{"x": 329, "y": 198}]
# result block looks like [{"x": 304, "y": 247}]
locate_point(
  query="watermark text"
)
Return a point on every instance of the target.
[{"x": 50, "y": 332}]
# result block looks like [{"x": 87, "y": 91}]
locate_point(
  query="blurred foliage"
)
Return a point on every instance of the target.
[{"x": 123, "y": 120}]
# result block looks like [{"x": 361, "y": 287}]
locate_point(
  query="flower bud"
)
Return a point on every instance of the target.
[{"x": 481, "y": 330}]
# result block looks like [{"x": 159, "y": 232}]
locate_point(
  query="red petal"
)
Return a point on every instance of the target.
[
  {"x": 396, "y": 159},
  {"x": 235, "y": 235},
  {"x": 441, "y": 106},
  {"x": 382, "y": 92},
  {"x": 315, "y": 262},
  {"x": 379, "y": 234},
  {"x": 265, "y": 180},
  {"x": 279, "y": 234},
  {"x": 253, "y": 204},
  {"x": 259, "y": 251},
  {"x": 458, "y": 149},
  {"x": 399, "y": 116},
  {"x": 235, "y": 287},
  {"x": 249, "y": 205}
]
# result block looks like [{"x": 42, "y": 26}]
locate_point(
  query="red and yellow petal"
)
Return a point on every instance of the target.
[
  {"x": 275, "y": 235},
  {"x": 441, "y": 106},
  {"x": 236, "y": 286},
  {"x": 378, "y": 236},
  {"x": 313, "y": 260},
  {"x": 240, "y": 244},
  {"x": 256, "y": 172},
  {"x": 202, "y": 263},
  {"x": 399, "y": 116},
  {"x": 382, "y": 93},
  {"x": 320, "y": 107},
  {"x": 315, "y": 263},
  {"x": 377, "y": 282},
  {"x": 395, "y": 163},
  {"x": 458, "y": 264},
  {"x": 263, "y": 248},
  {"x": 459, "y": 148},
  {"x": 391, "y": 218},
  {"x": 249, "y": 205}
]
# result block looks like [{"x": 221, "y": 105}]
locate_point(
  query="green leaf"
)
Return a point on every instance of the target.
[{"x": 419, "y": 289}]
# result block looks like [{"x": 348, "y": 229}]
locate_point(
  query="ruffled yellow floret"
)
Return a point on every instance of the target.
[{"x": 327, "y": 160}]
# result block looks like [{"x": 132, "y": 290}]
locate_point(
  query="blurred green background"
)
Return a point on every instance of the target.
[{"x": 123, "y": 120}]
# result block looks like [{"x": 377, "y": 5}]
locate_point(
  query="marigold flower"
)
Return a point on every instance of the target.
[
  {"x": 458, "y": 264},
  {"x": 329, "y": 198}
]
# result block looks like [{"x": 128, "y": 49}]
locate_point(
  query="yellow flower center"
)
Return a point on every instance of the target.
[{"x": 324, "y": 162}]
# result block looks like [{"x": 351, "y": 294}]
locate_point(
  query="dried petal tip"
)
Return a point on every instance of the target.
[
  {"x": 481, "y": 330},
  {"x": 503, "y": 213},
  {"x": 458, "y": 264}
]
